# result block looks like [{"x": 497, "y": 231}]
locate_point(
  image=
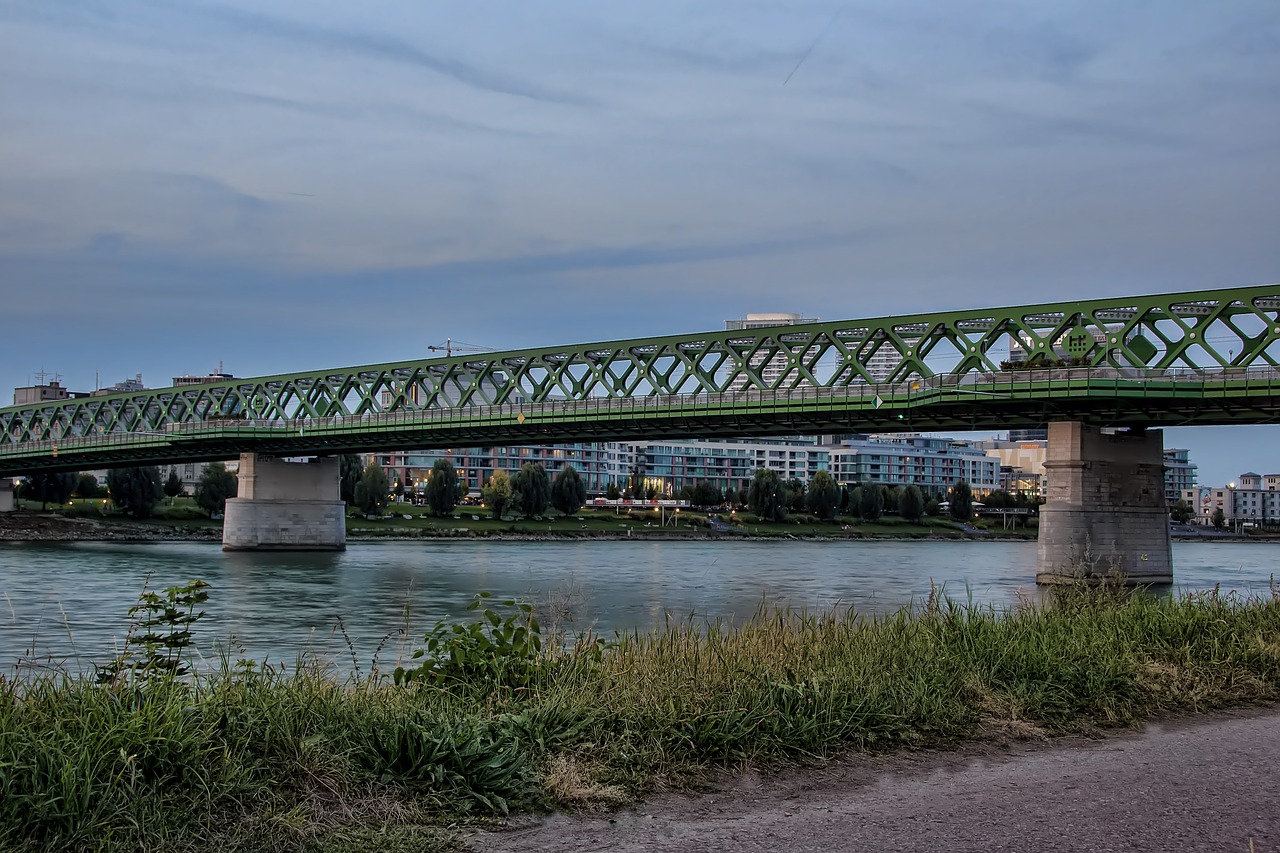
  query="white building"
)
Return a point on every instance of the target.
[
  {"x": 933, "y": 463},
  {"x": 1253, "y": 499},
  {"x": 770, "y": 369},
  {"x": 669, "y": 465}
]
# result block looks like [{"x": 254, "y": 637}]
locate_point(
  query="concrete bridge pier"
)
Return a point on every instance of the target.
[
  {"x": 285, "y": 506},
  {"x": 1106, "y": 512},
  {"x": 7, "y": 502}
]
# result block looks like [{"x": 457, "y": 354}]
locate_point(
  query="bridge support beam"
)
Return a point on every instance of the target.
[
  {"x": 7, "y": 502},
  {"x": 285, "y": 506},
  {"x": 1105, "y": 513}
]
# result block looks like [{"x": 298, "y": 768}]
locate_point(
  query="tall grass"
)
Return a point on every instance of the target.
[{"x": 257, "y": 759}]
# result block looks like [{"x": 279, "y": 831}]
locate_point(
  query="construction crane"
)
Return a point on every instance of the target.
[{"x": 450, "y": 346}]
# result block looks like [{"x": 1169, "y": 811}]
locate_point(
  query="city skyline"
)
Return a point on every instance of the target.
[{"x": 287, "y": 187}]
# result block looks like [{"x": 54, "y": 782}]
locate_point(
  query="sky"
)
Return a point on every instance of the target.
[{"x": 290, "y": 185}]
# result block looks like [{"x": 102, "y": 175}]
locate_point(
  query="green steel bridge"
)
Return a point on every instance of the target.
[{"x": 1203, "y": 357}]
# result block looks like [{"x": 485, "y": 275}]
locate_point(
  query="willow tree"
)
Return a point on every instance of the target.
[
  {"x": 823, "y": 496},
  {"x": 442, "y": 487},
  {"x": 568, "y": 492},
  {"x": 767, "y": 497}
]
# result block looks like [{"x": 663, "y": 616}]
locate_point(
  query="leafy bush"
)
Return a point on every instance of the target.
[{"x": 502, "y": 647}]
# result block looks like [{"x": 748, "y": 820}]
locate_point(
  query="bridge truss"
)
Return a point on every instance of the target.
[{"x": 1208, "y": 356}]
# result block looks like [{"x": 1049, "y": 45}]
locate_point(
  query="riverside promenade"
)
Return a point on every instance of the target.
[{"x": 1191, "y": 785}]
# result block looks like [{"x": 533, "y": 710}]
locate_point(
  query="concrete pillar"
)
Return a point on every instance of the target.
[
  {"x": 1105, "y": 513},
  {"x": 7, "y": 503},
  {"x": 285, "y": 506}
]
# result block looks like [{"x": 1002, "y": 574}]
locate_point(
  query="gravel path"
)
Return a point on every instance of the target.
[{"x": 1203, "y": 784}]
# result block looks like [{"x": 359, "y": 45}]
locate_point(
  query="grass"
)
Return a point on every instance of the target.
[{"x": 246, "y": 759}]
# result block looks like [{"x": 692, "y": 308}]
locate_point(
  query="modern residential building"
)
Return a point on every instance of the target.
[
  {"x": 931, "y": 462},
  {"x": 669, "y": 465},
  {"x": 599, "y": 464},
  {"x": 1179, "y": 474}
]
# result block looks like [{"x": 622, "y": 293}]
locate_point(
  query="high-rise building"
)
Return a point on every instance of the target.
[{"x": 772, "y": 368}]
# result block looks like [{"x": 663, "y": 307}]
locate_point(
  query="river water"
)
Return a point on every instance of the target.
[{"x": 65, "y": 604}]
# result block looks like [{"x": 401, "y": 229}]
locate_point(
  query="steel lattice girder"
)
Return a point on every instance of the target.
[
  {"x": 1104, "y": 395},
  {"x": 1185, "y": 330}
]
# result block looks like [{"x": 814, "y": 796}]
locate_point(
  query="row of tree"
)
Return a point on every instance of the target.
[
  {"x": 771, "y": 498},
  {"x": 530, "y": 493},
  {"x": 135, "y": 491}
]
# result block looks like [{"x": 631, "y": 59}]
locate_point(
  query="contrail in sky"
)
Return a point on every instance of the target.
[{"x": 805, "y": 55}]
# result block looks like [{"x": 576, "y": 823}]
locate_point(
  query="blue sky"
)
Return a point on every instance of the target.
[{"x": 288, "y": 185}]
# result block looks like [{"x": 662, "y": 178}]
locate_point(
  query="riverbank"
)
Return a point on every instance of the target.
[
  {"x": 32, "y": 526},
  {"x": 271, "y": 760}
]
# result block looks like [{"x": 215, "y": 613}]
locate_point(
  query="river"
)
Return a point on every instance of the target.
[{"x": 65, "y": 604}]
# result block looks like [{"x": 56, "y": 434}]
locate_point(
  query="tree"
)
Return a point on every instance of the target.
[
  {"x": 135, "y": 490},
  {"x": 844, "y": 499},
  {"x": 871, "y": 502},
  {"x": 1182, "y": 512},
  {"x": 215, "y": 486},
  {"x": 999, "y": 499},
  {"x": 823, "y": 496},
  {"x": 568, "y": 492},
  {"x": 173, "y": 485},
  {"x": 497, "y": 493},
  {"x": 398, "y": 491},
  {"x": 49, "y": 488},
  {"x": 708, "y": 494},
  {"x": 890, "y": 495},
  {"x": 1219, "y": 518},
  {"x": 442, "y": 487},
  {"x": 855, "y": 502},
  {"x": 961, "y": 501},
  {"x": 350, "y": 468},
  {"x": 932, "y": 507},
  {"x": 371, "y": 491},
  {"x": 767, "y": 497},
  {"x": 534, "y": 488},
  {"x": 86, "y": 486},
  {"x": 911, "y": 505},
  {"x": 795, "y": 494},
  {"x": 612, "y": 493}
]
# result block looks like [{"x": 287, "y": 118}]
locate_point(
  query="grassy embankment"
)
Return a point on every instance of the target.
[{"x": 253, "y": 760}]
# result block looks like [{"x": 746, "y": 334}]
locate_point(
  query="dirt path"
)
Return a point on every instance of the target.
[{"x": 1208, "y": 784}]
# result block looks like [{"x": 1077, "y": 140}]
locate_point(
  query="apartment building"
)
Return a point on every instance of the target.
[{"x": 1252, "y": 499}]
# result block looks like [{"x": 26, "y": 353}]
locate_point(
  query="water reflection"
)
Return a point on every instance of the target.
[{"x": 69, "y": 601}]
